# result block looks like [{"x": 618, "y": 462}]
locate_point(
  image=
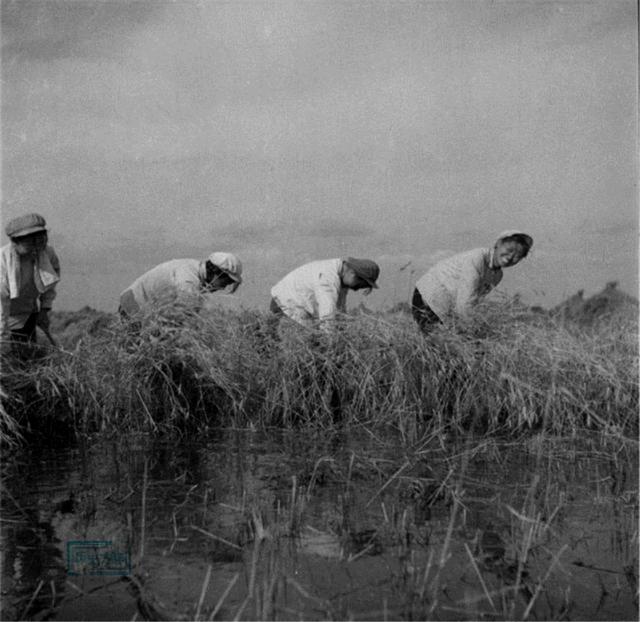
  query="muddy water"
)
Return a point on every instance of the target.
[{"x": 287, "y": 526}]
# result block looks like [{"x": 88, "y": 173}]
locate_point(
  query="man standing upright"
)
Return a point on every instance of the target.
[{"x": 29, "y": 273}]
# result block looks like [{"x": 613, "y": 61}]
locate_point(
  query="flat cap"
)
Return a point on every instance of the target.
[
  {"x": 366, "y": 269},
  {"x": 25, "y": 225}
]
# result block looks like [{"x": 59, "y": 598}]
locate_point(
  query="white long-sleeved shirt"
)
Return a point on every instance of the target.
[
  {"x": 312, "y": 292},
  {"x": 453, "y": 285},
  {"x": 182, "y": 276},
  {"x": 27, "y": 284}
]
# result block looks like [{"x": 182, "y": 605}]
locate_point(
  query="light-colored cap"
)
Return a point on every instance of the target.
[
  {"x": 25, "y": 225},
  {"x": 228, "y": 263},
  {"x": 509, "y": 233}
]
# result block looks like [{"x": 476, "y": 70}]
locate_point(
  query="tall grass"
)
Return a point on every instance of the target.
[{"x": 181, "y": 370}]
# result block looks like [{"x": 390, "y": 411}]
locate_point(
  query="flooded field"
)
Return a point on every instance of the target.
[{"x": 243, "y": 525}]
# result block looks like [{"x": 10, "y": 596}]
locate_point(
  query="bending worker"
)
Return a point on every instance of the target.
[
  {"x": 453, "y": 285},
  {"x": 29, "y": 273},
  {"x": 182, "y": 276},
  {"x": 317, "y": 291}
]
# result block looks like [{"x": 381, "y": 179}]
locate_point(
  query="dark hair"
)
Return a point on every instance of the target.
[
  {"x": 212, "y": 270},
  {"x": 42, "y": 233}
]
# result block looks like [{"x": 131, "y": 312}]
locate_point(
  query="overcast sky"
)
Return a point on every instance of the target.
[{"x": 290, "y": 131}]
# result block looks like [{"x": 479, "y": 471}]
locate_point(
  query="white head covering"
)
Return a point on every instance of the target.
[
  {"x": 511, "y": 232},
  {"x": 228, "y": 263}
]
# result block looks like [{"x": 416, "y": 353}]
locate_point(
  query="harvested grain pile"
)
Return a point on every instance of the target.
[
  {"x": 609, "y": 304},
  {"x": 69, "y": 327}
]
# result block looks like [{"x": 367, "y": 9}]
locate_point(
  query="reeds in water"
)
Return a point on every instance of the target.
[{"x": 179, "y": 369}]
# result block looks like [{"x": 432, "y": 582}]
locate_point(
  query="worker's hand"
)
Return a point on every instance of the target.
[{"x": 43, "y": 318}]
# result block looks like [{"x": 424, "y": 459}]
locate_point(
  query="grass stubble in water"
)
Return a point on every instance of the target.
[{"x": 413, "y": 530}]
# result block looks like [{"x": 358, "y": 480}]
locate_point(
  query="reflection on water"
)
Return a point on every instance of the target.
[{"x": 288, "y": 526}]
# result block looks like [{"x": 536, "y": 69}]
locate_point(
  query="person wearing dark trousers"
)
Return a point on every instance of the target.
[
  {"x": 422, "y": 313},
  {"x": 454, "y": 285},
  {"x": 29, "y": 274},
  {"x": 314, "y": 294},
  {"x": 191, "y": 277}
]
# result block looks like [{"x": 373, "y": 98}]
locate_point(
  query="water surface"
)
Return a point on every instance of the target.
[{"x": 292, "y": 525}]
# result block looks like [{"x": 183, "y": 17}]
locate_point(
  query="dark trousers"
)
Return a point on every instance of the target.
[
  {"x": 128, "y": 305},
  {"x": 26, "y": 334},
  {"x": 273, "y": 321},
  {"x": 422, "y": 313},
  {"x": 275, "y": 308}
]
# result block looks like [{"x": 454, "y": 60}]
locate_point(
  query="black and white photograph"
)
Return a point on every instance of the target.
[{"x": 319, "y": 310}]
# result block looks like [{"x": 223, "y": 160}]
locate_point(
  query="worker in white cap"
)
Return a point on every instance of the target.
[
  {"x": 455, "y": 284},
  {"x": 315, "y": 292},
  {"x": 29, "y": 273},
  {"x": 217, "y": 272}
]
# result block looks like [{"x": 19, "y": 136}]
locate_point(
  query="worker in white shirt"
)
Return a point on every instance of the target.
[
  {"x": 182, "y": 276},
  {"x": 316, "y": 292},
  {"x": 29, "y": 274},
  {"x": 455, "y": 284}
]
